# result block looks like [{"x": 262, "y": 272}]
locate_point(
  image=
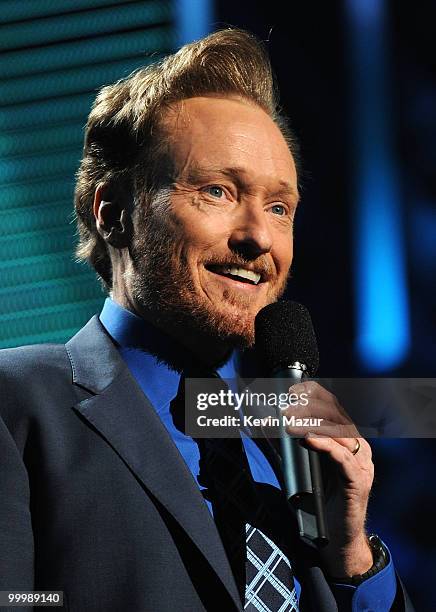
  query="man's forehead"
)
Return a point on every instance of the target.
[
  {"x": 186, "y": 109},
  {"x": 222, "y": 134},
  {"x": 214, "y": 112}
]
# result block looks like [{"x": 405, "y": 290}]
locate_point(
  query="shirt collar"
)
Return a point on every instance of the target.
[{"x": 134, "y": 335}]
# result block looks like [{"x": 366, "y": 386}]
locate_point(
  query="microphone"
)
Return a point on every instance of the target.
[{"x": 286, "y": 344}]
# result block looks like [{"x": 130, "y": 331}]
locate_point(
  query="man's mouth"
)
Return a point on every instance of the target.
[{"x": 243, "y": 275}]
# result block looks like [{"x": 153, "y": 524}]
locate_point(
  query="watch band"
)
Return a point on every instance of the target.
[{"x": 380, "y": 557}]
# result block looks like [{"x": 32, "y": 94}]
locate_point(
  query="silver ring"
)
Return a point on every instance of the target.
[{"x": 356, "y": 449}]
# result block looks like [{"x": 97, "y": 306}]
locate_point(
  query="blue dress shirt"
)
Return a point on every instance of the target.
[{"x": 160, "y": 385}]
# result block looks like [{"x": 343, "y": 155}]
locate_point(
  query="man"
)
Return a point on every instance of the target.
[{"x": 185, "y": 201}]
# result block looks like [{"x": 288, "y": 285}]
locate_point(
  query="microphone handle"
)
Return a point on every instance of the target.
[{"x": 303, "y": 477}]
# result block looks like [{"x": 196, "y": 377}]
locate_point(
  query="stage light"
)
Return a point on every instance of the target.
[{"x": 381, "y": 293}]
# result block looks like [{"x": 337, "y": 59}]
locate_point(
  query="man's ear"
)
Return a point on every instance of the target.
[{"x": 112, "y": 217}]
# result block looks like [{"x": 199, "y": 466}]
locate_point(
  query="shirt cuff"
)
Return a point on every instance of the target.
[{"x": 376, "y": 593}]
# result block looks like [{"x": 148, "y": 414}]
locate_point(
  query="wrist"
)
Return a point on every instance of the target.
[
  {"x": 380, "y": 559},
  {"x": 353, "y": 558}
]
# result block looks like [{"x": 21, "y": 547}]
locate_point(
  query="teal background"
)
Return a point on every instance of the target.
[{"x": 55, "y": 56}]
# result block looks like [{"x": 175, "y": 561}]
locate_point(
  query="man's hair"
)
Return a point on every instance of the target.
[{"x": 124, "y": 138}]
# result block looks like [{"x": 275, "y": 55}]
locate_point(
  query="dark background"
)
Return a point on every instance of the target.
[
  {"x": 311, "y": 54},
  {"x": 311, "y": 45}
]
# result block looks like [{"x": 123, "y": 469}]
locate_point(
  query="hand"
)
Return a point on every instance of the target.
[{"x": 348, "y": 552}]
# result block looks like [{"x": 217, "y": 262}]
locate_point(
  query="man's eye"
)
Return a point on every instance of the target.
[
  {"x": 278, "y": 209},
  {"x": 215, "y": 191}
]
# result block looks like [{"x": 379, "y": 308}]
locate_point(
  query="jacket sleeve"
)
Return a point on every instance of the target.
[{"x": 16, "y": 537}]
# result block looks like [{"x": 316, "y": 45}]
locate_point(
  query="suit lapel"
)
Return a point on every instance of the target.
[{"x": 123, "y": 416}]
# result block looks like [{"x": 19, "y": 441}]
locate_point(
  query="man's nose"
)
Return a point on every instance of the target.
[{"x": 251, "y": 234}]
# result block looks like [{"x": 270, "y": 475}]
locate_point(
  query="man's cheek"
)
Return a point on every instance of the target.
[
  {"x": 180, "y": 249},
  {"x": 283, "y": 263}
]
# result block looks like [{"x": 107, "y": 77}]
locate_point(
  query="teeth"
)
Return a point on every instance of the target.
[{"x": 248, "y": 274}]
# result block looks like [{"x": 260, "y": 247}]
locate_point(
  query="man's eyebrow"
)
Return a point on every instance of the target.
[{"x": 197, "y": 174}]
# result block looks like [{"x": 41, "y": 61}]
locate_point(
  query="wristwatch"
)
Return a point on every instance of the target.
[{"x": 380, "y": 557}]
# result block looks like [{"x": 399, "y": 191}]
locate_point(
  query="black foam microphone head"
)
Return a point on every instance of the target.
[{"x": 284, "y": 335}]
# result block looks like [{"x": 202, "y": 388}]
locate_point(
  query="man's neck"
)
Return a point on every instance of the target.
[{"x": 179, "y": 343}]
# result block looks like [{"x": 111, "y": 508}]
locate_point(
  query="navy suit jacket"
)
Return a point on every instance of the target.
[{"x": 96, "y": 500}]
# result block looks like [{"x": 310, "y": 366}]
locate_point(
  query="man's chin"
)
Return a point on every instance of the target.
[{"x": 235, "y": 328}]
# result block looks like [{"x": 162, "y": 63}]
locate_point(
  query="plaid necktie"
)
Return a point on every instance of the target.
[{"x": 262, "y": 572}]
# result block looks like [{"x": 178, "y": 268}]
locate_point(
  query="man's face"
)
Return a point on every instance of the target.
[{"x": 217, "y": 246}]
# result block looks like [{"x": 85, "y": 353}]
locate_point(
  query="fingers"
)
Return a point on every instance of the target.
[
  {"x": 355, "y": 446},
  {"x": 317, "y": 410},
  {"x": 311, "y": 391},
  {"x": 317, "y": 407},
  {"x": 354, "y": 468},
  {"x": 299, "y": 427}
]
